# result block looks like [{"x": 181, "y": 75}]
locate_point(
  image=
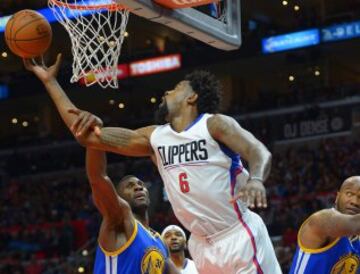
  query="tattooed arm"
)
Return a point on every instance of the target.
[
  {"x": 87, "y": 128},
  {"x": 120, "y": 140}
]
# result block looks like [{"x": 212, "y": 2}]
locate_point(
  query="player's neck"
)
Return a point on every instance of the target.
[
  {"x": 143, "y": 218},
  {"x": 182, "y": 121},
  {"x": 179, "y": 259}
]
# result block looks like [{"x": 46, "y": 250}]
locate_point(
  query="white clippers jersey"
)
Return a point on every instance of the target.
[
  {"x": 189, "y": 267},
  {"x": 200, "y": 176}
]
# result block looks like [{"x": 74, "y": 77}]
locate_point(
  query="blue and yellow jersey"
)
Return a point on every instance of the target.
[
  {"x": 143, "y": 253},
  {"x": 340, "y": 257}
]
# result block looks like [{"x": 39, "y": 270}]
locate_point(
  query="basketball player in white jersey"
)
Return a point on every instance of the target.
[
  {"x": 198, "y": 156},
  {"x": 175, "y": 238}
]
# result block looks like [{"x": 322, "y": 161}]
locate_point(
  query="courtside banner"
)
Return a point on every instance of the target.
[
  {"x": 327, "y": 122},
  {"x": 179, "y": 4},
  {"x": 155, "y": 65}
]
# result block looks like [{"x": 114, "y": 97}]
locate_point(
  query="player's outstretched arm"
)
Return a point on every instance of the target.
[
  {"x": 326, "y": 225},
  {"x": 47, "y": 75},
  {"x": 118, "y": 140},
  {"x": 87, "y": 128},
  {"x": 227, "y": 131},
  {"x": 116, "y": 212}
]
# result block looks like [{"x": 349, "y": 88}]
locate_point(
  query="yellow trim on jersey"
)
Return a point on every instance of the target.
[
  {"x": 314, "y": 250},
  {"x": 151, "y": 232},
  {"x": 124, "y": 246}
]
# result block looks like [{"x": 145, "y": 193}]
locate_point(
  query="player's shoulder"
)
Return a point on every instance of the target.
[
  {"x": 318, "y": 219},
  {"x": 218, "y": 123}
]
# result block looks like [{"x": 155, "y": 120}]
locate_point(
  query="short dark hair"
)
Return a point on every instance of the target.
[
  {"x": 208, "y": 89},
  {"x": 124, "y": 179}
]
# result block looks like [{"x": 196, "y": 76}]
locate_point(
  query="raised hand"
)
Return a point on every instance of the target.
[{"x": 45, "y": 74}]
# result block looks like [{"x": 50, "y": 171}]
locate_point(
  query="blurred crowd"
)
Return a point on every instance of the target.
[{"x": 46, "y": 219}]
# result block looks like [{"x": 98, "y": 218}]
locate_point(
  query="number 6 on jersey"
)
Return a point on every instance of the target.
[{"x": 184, "y": 184}]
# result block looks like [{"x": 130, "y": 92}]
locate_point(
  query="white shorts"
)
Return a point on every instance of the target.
[{"x": 243, "y": 248}]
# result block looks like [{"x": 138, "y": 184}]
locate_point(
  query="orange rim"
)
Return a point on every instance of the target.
[{"x": 110, "y": 7}]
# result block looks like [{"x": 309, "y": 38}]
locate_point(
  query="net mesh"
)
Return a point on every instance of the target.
[{"x": 97, "y": 33}]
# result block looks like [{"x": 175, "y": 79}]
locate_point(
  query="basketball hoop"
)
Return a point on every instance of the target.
[{"x": 97, "y": 32}]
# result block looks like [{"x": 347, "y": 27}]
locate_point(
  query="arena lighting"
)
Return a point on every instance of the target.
[
  {"x": 317, "y": 72},
  {"x": 81, "y": 269},
  {"x": 291, "y": 78},
  {"x": 111, "y": 102},
  {"x": 296, "y": 8},
  {"x": 25, "y": 123},
  {"x": 84, "y": 252},
  {"x": 14, "y": 120},
  {"x": 153, "y": 100},
  {"x": 285, "y": 3},
  {"x": 126, "y": 34},
  {"x": 48, "y": 14},
  {"x": 121, "y": 105},
  {"x": 4, "y": 54}
]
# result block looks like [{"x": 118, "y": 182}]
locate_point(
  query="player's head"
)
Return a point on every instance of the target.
[
  {"x": 134, "y": 191},
  {"x": 199, "y": 90},
  {"x": 175, "y": 238},
  {"x": 348, "y": 197}
]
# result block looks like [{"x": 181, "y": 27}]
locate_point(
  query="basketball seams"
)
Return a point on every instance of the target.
[
  {"x": 10, "y": 33},
  {"x": 22, "y": 49},
  {"x": 26, "y": 40},
  {"x": 33, "y": 30},
  {"x": 26, "y": 25}
]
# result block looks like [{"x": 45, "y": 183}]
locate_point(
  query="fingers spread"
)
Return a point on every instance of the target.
[
  {"x": 251, "y": 198},
  {"x": 97, "y": 131},
  {"x": 75, "y": 125},
  {"x": 264, "y": 199},
  {"x": 82, "y": 125},
  {"x": 27, "y": 64},
  {"x": 259, "y": 202},
  {"x": 57, "y": 63},
  {"x": 74, "y": 111}
]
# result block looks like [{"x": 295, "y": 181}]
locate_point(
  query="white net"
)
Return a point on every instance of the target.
[{"x": 97, "y": 30}]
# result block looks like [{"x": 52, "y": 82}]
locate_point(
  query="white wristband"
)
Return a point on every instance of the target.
[{"x": 254, "y": 178}]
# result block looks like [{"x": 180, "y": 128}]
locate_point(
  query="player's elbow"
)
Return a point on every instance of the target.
[
  {"x": 268, "y": 156},
  {"x": 263, "y": 153}
]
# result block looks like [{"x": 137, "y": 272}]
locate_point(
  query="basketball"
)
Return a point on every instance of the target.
[{"x": 28, "y": 34}]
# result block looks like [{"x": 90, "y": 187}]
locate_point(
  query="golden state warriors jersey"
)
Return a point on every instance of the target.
[
  {"x": 340, "y": 257},
  {"x": 143, "y": 253}
]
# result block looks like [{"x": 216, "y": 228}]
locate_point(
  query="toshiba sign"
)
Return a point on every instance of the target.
[
  {"x": 155, "y": 65},
  {"x": 178, "y": 4}
]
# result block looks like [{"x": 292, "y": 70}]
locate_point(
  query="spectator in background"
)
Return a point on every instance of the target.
[{"x": 175, "y": 238}]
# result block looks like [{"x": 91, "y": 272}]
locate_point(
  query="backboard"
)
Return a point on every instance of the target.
[{"x": 224, "y": 34}]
